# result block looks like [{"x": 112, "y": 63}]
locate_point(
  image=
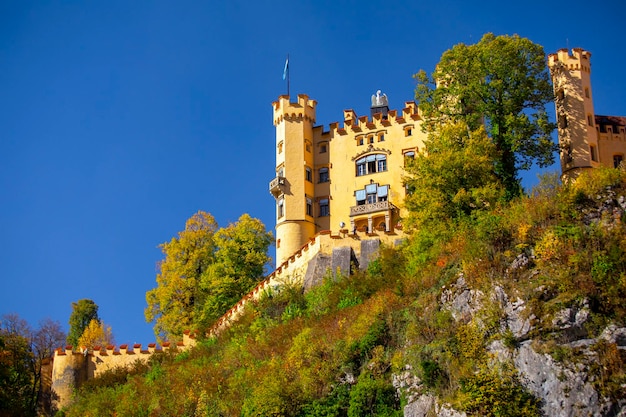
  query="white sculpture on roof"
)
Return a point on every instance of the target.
[{"x": 379, "y": 99}]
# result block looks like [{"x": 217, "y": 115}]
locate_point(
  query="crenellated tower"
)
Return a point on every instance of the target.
[
  {"x": 293, "y": 186},
  {"x": 578, "y": 138}
]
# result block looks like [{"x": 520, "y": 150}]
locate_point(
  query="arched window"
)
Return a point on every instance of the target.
[{"x": 370, "y": 164}]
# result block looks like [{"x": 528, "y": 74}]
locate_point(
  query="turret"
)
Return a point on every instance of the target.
[
  {"x": 578, "y": 140},
  {"x": 293, "y": 186}
]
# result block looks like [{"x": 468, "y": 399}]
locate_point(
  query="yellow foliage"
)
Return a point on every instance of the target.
[
  {"x": 96, "y": 334},
  {"x": 549, "y": 247}
]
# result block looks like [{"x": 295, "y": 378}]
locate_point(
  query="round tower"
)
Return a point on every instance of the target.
[
  {"x": 293, "y": 185},
  {"x": 578, "y": 139}
]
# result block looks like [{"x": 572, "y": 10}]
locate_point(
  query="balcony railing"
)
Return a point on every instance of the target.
[
  {"x": 277, "y": 186},
  {"x": 371, "y": 208}
]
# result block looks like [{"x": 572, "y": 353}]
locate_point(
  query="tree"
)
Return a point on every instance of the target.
[
  {"x": 16, "y": 366},
  {"x": 205, "y": 272},
  {"x": 171, "y": 305},
  {"x": 96, "y": 334},
  {"x": 503, "y": 83},
  {"x": 240, "y": 260},
  {"x": 453, "y": 176},
  {"x": 83, "y": 312},
  {"x": 22, "y": 354}
]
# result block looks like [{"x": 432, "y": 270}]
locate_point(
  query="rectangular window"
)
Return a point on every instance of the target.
[
  {"x": 382, "y": 165},
  {"x": 322, "y": 148},
  {"x": 590, "y": 120},
  {"x": 324, "y": 175},
  {"x": 382, "y": 193},
  {"x": 381, "y": 137},
  {"x": 370, "y": 190},
  {"x": 617, "y": 160},
  {"x": 324, "y": 208},
  {"x": 587, "y": 92},
  {"x": 408, "y": 131},
  {"x": 309, "y": 174},
  {"x": 281, "y": 208},
  {"x": 360, "y": 197},
  {"x": 309, "y": 207},
  {"x": 360, "y": 167},
  {"x": 592, "y": 151}
]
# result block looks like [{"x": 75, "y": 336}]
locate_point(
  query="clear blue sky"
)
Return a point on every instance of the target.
[{"x": 120, "y": 119}]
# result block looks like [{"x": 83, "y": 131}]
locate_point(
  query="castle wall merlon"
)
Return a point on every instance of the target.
[
  {"x": 284, "y": 109},
  {"x": 577, "y": 60}
]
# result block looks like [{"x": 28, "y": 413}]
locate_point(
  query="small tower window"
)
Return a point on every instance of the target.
[
  {"x": 587, "y": 92},
  {"x": 324, "y": 207},
  {"x": 592, "y": 151},
  {"x": 308, "y": 174},
  {"x": 324, "y": 175},
  {"x": 381, "y": 137},
  {"x": 408, "y": 131},
  {"x": 323, "y": 149},
  {"x": 309, "y": 207},
  {"x": 590, "y": 120},
  {"x": 280, "y": 147},
  {"x": 617, "y": 160},
  {"x": 281, "y": 208}
]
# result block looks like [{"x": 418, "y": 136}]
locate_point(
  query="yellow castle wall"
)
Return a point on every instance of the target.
[{"x": 301, "y": 145}]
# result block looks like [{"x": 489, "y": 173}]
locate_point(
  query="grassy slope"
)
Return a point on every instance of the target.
[{"x": 333, "y": 351}]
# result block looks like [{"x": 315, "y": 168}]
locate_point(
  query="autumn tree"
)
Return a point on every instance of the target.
[
  {"x": 83, "y": 312},
  {"x": 501, "y": 82},
  {"x": 205, "y": 272},
  {"x": 22, "y": 353},
  {"x": 239, "y": 264},
  {"x": 96, "y": 334},
  {"x": 172, "y": 304},
  {"x": 453, "y": 176}
]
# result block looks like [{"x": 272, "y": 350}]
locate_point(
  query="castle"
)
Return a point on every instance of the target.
[
  {"x": 347, "y": 178},
  {"x": 339, "y": 193},
  {"x": 586, "y": 140}
]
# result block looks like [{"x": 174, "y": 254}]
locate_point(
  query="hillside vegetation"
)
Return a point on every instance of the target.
[{"x": 373, "y": 342}]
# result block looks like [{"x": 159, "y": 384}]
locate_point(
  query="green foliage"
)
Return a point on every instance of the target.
[
  {"x": 83, "y": 312},
  {"x": 239, "y": 264},
  {"x": 373, "y": 397},
  {"x": 331, "y": 351},
  {"x": 497, "y": 391},
  {"x": 453, "y": 177},
  {"x": 503, "y": 82},
  {"x": 171, "y": 304},
  {"x": 205, "y": 272},
  {"x": 334, "y": 404},
  {"x": 22, "y": 355}
]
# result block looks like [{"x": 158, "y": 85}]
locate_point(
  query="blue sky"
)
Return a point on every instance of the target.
[{"x": 119, "y": 120}]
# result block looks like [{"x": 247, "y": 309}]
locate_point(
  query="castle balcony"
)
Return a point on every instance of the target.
[
  {"x": 277, "y": 186},
  {"x": 379, "y": 206}
]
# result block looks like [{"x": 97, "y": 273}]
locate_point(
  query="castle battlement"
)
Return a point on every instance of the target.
[
  {"x": 577, "y": 60},
  {"x": 71, "y": 368},
  {"x": 365, "y": 124},
  {"x": 295, "y": 268},
  {"x": 284, "y": 109}
]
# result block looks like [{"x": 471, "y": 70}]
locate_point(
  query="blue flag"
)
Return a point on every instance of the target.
[{"x": 286, "y": 68}]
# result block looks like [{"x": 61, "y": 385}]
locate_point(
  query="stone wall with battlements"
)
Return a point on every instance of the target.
[{"x": 70, "y": 368}]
